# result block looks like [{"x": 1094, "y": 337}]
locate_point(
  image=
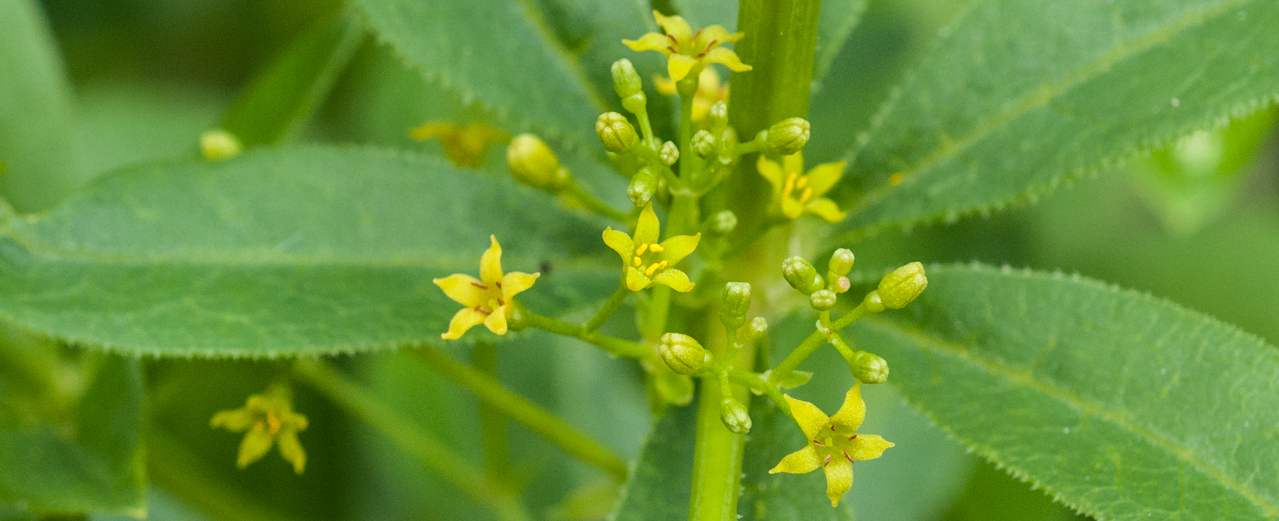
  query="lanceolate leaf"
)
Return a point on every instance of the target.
[
  {"x": 282, "y": 252},
  {"x": 658, "y": 488},
  {"x": 1119, "y": 404},
  {"x": 1020, "y": 95}
]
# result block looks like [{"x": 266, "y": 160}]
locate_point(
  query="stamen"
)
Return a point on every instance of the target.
[
  {"x": 672, "y": 49},
  {"x": 853, "y": 437},
  {"x": 672, "y": 38},
  {"x": 832, "y": 427},
  {"x": 479, "y": 285},
  {"x": 637, "y": 261},
  {"x": 818, "y": 443},
  {"x": 801, "y": 182},
  {"x": 657, "y": 248},
  {"x": 273, "y": 423},
  {"x": 501, "y": 302},
  {"x": 652, "y": 268},
  {"x": 710, "y": 46},
  {"x": 484, "y": 311},
  {"x": 498, "y": 284},
  {"x": 698, "y": 33},
  {"x": 790, "y": 184},
  {"x": 846, "y": 456},
  {"x": 827, "y": 462},
  {"x": 661, "y": 265},
  {"x": 808, "y": 192},
  {"x": 643, "y": 248}
]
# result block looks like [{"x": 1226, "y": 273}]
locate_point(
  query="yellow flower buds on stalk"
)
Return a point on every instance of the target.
[
  {"x": 752, "y": 331},
  {"x": 534, "y": 164},
  {"x": 735, "y": 416},
  {"x": 616, "y": 133},
  {"x": 788, "y": 136},
  {"x": 801, "y": 275},
  {"x": 683, "y": 354},
  {"x": 628, "y": 86},
  {"x": 822, "y": 300},
  {"x": 897, "y": 289},
  {"x": 736, "y": 301},
  {"x": 723, "y": 222},
  {"x": 868, "y": 367},
  {"x": 643, "y": 186}
]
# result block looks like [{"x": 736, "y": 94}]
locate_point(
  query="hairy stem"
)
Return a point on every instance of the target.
[
  {"x": 593, "y": 204},
  {"x": 612, "y": 345},
  {"x": 815, "y": 341},
  {"x": 613, "y": 303}
]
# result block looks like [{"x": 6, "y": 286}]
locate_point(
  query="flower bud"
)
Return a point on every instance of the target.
[
  {"x": 626, "y": 81},
  {"x": 842, "y": 284},
  {"x": 822, "y": 300},
  {"x": 735, "y": 416},
  {"x": 902, "y": 286},
  {"x": 683, "y": 353},
  {"x": 703, "y": 144},
  {"x": 219, "y": 144},
  {"x": 669, "y": 153},
  {"x": 801, "y": 275},
  {"x": 724, "y": 222},
  {"x": 872, "y": 303},
  {"x": 788, "y": 136},
  {"x": 617, "y": 134},
  {"x": 736, "y": 302},
  {"x": 717, "y": 116},
  {"x": 643, "y": 186},
  {"x": 841, "y": 262},
  {"x": 868, "y": 367},
  {"x": 753, "y": 330},
  {"x": 534, "y": 164}
]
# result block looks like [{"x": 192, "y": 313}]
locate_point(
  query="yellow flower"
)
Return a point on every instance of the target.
[
  {"x": 647, "y": 262},
  {"x": 710, "y": 89},
  {"x": 465, "y": 145},
  {"x": 833, "y": 443},
  {"x": 487, "y": 299},
  {"x": 268, "y": 418},
  {"x": 797, "y": 192},
  {"x": 687, "y": 52}
]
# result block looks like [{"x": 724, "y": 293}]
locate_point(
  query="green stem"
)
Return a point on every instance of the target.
[
  {"x": 758, "y": 384},
  {"x": 613, "y": 303},
  {"x": 593, "y": 204},
  {"x": 717, "y": 457},
  {"x": 518, "y": 408},
  {"x": 429, "y": 451},
  {"x": 497, "y": 456},
  {"x": 612, "y": 345},
  {"x": 815, "y": 341}
]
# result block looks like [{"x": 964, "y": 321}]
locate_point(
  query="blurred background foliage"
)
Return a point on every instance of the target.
[{"x": 1197, "y": 222}]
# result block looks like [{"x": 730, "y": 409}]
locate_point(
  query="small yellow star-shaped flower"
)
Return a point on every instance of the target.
[
  {"x": 833, "y": 443},
  {"x": 797, "y": 192},
  {"x": 266, "y": 419},
  {"x": 487, "y": 299},
  {"x": 465, "y": 145},
  {"x": 688, "y": 52},
  {"x": 647, "y": 262}
]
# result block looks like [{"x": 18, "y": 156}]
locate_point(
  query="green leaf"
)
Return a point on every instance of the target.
[
  {"x": 658, "y": 488},
  {"x": 283, "y": 96},
  {"x": 1018, "y": 96},
  {"x": 283, "y": 252},
  {"x": 35, "y": 111},
  {"x": 1119, "y": 404},
  {"x": 71, "y": 450}
]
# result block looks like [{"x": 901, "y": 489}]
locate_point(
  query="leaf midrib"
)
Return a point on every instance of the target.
[
  {"x": 1088, "y": 408},
  {"x": 1039, "y": 98}
]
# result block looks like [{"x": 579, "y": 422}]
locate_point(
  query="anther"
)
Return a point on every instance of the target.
[
  {"x": 827, "y": 462},
  {"x": 637, "y": 261},
  {"x": 808, "y": 192},
  {"x": 657, "y": 248},
  {"x": 801, "y": 182},
  {"x": 652, "y": 268},
  {"x": 643, "y": 248},
  {"x": 818, "y": 443},
  {"x": 672, "y": 38},
  {"x": 484, "y": 311},
  {"x": 479, "y": 285},
  {"x": 790, "y": 183},
  {"x": 846, "y": 456}
]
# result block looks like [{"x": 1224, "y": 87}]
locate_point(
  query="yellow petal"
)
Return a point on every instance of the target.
[
  {"x": 674, "y": 26},
  {"x": 676, "y": 279},
  {"x": 869, "y": 446},
  {"x": 620, "y": 243},
  {"x": 491, "y": 263},
  {"x": 802, "y": 461},
  {"x": 636, "y": 280},
  {"x": 650, "y": 42},
  {"x": 824, "y": 176},
  {"x": 676, "y": 248},
  {"x": 236, "y": 420},
  {"x": 429, "y": 130},
  {"x": 464, "y": 319},
  {"x": 839, "y": 478},
  {"x": 772, "y": 171},
  {"x": 853, "y": 411},
  {"x": 496, "y": 322},
  {"x": 793, "y": 163},
  {"x": 791, "y": 208},
  {"x": 726, "y": 57},
  {"x": 516, "y": 282},
  {"x": 825, "y": 208},
  {"x": 647, "y": 230},
  {"x": 257, "y": 442},
  {"x": 291, "y": 450},
  {"x": 462, "y": 289},
  {"x": 714, "y": 35},
  {"x": 811, "y": 420},
  {"x": 678, "y": 66},
  {"x": 293, "y": 421},
  {"x": 664, "y": 86}
]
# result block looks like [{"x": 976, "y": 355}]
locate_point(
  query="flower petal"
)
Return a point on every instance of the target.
[
  {"x": 772, "y": 171},
  {"x": 802, "y": 461},
  {"x": 462, "y": 289},
  {"x": 714, "y": 35},
  {"x": 869, "y": 446},
  {"x": 294, "y": 421},
  {"x": 491, "y": 263},
  {"x": 674, "y": 26},
  {"x": 676, "y": 248},
  {"x": 650, "y": 42},
  {"x": 647, "y": 230},
  {"x": 463, "y": 320},
  {"x": 726, "y": 57},
  {"x": 825, "y": 208},
  {"x": 236, "y": 420},
  {"x": 676, "y": 279},
  {"x": 853, "y": 411},
  {"x": 257, "y": 442},
  {"x": 678, "y": 66},
  {"x": 291, "y": 450},
  {"x": 620, "y": 243},
  {"x": 811, "y": 420},
  {"x": 791, "y": 208},
  {"x": 496, "y": 322},
  {"x": 516, "y": 282},
  {"x": 664, "y": 85},
  {"x": 636, "y": 280},
  {"x": 824, "y": 176},
  {"x": 839, "y": 478}
]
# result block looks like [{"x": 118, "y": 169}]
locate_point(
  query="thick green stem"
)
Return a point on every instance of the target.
[
  {"x": 518, "y": 408},
  {"x": 497, "y": 456},
  {"x": 612, "y": 345},
  {"x": 815, "y": 341},
  {"x": 613, "y": 303},
  {"x": 358, "y": 402}
]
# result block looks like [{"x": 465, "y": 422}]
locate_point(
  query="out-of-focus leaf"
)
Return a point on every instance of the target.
[
  {"x": 993, "y": 495},
  {"x": 658, "y": 489},
  {"x": 1121, "y": 405},
  {"x": 36, "y": 142},
  {"x": 283, "y": 96},
  {"x": 124, "y": 124},
  {"x": 1018, "y": 96},
  {"x": 283, "y": 252}
]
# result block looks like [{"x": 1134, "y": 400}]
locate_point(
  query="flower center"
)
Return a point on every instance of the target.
[
  {"x": 272, "y": 423},
  {"x": 649, "y": 258},
  {"x": 834, "y": 442},
  {"x": 492, "y": 297},
  {"x": 797, "y": 182}
]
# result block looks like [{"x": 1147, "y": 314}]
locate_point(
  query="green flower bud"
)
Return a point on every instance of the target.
[
  {"x": 872, "y": 303},
  {"x": 788, "y": 136},
  {"x": 841, "y": 285},
  {"x": 643, "y": 186},
  {"x": 724, "y": 222},
  {"x": 626, "y": 81},
  {"x": 635, "y": 104},
  {"x": 669, "y": 153},
  {"x": 219, "y": 144},
  {"x": 841, "y": 262},
  {"x": 534, "y": 164},
  {"x": 703, "y": 144},
  {"x": 617, "y": 134},
  {"x": 801, "y": 275},
  {"x": 822, "y": 300},
  {"x": 868, "y": 367},
  {"x": 736, "y": 302},
  {"x": 718, "y": 114},
  {"x": 683, "y": 353},
  {"x": 753, "y": 330},
  {"x": 902, "y": 286},
  {"x": 735, "y": 416}
]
